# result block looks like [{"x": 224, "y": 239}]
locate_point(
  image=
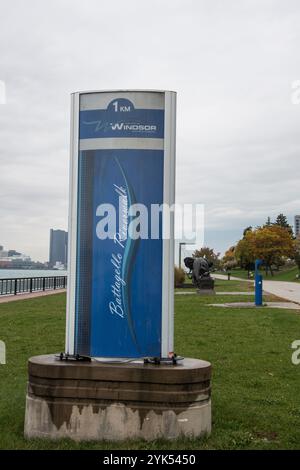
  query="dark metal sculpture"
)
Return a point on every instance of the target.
[{"x": 200, "y": 274}]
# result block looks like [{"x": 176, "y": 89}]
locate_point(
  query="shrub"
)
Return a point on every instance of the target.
[{"x": 179, "y": 276}]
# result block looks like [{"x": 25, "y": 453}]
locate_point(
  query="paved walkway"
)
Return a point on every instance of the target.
[
  {"x": 10, "y": 298},
  {"x": 287, "y": 305},
  {"x": 224, "y": 277},
  {"x": 217, "y": 293},
  {"x": 286, "y": 290}
]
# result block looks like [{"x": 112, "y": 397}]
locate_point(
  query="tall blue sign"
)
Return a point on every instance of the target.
[{"x": 120, "y": 297}]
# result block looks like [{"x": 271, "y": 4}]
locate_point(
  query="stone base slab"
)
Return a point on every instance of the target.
[
  {"x": 206, "y": 292},
  {"x": 115, "y": 402}
]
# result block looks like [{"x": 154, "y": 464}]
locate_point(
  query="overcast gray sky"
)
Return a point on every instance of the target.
[{"x": 232, "y": 63}]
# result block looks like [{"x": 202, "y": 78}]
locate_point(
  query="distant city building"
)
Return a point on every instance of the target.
[
  {"x": 13, "y": 253},
  {"x": 3, "y": 253},
  {"x": 58, "y": 247},
  {"x": 12, "y": 258},
  {"x": 297, "y": 225},
  {"x": 59, "y": 266}
]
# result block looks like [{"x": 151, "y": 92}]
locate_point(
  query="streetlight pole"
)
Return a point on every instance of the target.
[{"x": 180, "y": 245}]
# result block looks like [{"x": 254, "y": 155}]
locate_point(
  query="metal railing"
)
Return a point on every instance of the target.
[{"x": 22, "y": 285}]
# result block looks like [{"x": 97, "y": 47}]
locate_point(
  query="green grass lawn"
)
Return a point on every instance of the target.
[
  {"x": 233, "y": 286},
  {"x": 225, "y": 285},
  {"x": 285, "y": 275},
  {"x": 236, "y": 273},
  {"x": 255, "y": 387}
]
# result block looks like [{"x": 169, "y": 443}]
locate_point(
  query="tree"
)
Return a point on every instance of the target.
[
  {"x": 229, "y": 254},
  {"x": 228, "y": 265},
  {"x": 247, "y": 229},
  {"x": 228, "y": 260},
  {"x": 244, "y": 254},
  {"x": 281, "y": 221},
  {"x": 270, "y": 243},
  {"x": 268, "y": 221},
  {"x": 209, "y": 254}
]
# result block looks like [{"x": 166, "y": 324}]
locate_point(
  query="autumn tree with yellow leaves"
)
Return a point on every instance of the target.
[{"x": 269, "y": 243}]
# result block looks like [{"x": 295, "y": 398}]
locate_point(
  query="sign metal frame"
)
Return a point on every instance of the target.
[{"x": 169, "y": 143}]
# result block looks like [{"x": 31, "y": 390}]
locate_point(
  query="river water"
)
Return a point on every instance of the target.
[{"x": 13, "y": 273}]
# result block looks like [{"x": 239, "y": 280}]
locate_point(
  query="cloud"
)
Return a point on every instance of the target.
[{"x": 233, "y": 65}]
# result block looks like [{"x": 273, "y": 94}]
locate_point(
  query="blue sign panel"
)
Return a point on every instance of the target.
[
  {"x": 118, "y": 280},
  {"x": 118, "y": 286}
]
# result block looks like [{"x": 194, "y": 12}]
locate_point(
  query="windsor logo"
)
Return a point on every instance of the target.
[
  {"x": 2, "y": 92},
  {"x": 2, "y": 353},
  {"x": 120, "y": 126}
]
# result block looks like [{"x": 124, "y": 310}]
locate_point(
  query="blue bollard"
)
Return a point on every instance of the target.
[{"x": 258, "y": 284}]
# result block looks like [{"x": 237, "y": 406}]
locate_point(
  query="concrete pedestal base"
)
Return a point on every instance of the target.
[
  {"x": 97, "y": 401},
  {"x": 206, "y": 286},
  {"x": 206, "y": 292}
]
